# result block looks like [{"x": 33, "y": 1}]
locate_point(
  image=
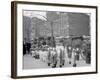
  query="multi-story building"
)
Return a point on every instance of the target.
[{"x": 60, "y": 24}]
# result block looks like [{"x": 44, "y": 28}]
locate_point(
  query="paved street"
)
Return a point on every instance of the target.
[{"x": 30, "y": 62}]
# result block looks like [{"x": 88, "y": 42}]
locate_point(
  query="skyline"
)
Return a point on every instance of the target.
[{"x": 41, "y": 14}]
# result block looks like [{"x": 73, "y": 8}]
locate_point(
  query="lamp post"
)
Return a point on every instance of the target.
[{"x": 52, "y": 36}]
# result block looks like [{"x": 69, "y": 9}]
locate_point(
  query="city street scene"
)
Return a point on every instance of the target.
[{"x": 53, "y": 39}]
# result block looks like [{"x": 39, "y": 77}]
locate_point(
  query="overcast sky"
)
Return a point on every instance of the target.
[{"x": 38, "y": 14}]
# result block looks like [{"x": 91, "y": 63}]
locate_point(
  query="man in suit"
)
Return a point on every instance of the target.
[
  {"x": 28, "y": 45},
  {"x": 24, "y": 48},
  {"x": 62, "y": 57}
]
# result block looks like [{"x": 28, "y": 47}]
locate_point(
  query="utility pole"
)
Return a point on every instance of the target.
[{"x": 52, "y": 36}]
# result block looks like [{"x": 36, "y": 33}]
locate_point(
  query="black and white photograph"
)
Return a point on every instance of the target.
[{"x": 53, "y": 39}]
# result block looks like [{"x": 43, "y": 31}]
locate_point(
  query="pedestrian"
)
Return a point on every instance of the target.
[
  {"x": 62, "y": 57},
  {"x": 77, "y": 54},
  {"x": 54, "y": 58},
  {"x": 49, "y": 57},
  {"x": 69, "y": 51},
  {"x": 37, "y": 56},
  {"x": 24, "y": 48},
  {"x": 28, "y": 46},
  {"x": 33, "y": 52},
  {"x": 88, "y": 54},
  {"x": 74, "y": 57}
]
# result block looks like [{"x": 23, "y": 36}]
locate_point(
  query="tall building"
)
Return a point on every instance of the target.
[
  {"x": 63, "y": 24},
  {"x": 60, "y": 23},
  {"x": 79, "y": 24},
  {"x": 26, "y": 28}
]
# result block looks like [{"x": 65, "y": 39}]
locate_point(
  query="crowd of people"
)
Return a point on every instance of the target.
[{"x": 56, "y": 56}]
